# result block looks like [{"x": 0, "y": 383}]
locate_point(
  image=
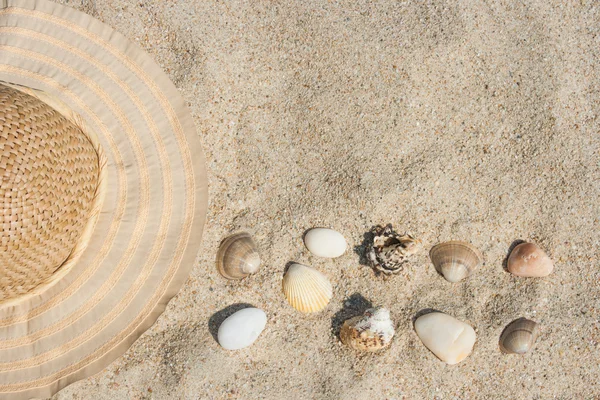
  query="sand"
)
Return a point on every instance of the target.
[{"x": 463, "y": 120}]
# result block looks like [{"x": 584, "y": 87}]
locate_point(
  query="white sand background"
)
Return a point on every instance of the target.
[{"x": 468, "y": 120}]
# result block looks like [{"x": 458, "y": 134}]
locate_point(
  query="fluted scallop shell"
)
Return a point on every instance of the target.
[
  {"x": 238, "y": 256},
  {"x": 390, "y": 251},
  {"x": 306, "y": 289},
  {"x": 519, "y": 336},
  {"x": 455, "y": 260},
  {"x": 372, "y": 331}
]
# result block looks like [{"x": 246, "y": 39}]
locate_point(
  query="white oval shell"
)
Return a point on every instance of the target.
[
  {"x": 449, "y": 339},
  {"x": 241, "y": 328},
  {"x": 323, "y": 242},
  {"x": 306, "y": 289}
]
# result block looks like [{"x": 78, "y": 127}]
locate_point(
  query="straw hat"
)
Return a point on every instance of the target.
[{"x": 103, "y": 195}]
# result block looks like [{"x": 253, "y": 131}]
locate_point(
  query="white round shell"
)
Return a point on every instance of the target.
[
  {"x": 449, "y": 339},
  {"x": 241, "y": 328},
  {"x": 323, "y": 242}
]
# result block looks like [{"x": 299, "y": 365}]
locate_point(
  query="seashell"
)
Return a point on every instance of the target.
[
  {"x": 324, "y": 242},
  {"x": 372, "y": 331},
  {"x": 306, "y": 289},
  {"x": 519, "y": 336},
  {"x": 241, "y": 328},
  {"x": 455, "y": 260},
  {"x": 390, "y": 251},
  {"x": 449, "y": 339},
  {"x": 238, "y": 256},
  {"x": 529, "y": 260}
]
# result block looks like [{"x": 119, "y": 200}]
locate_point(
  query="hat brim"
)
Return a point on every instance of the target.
[{"x": 148, "y": 233}]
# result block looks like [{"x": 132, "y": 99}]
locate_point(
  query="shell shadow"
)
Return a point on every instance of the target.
[
  {"x": 510, "y": 249},
  {"x": 215, "y": 321},
  {"x": 308, "y": 230},
  {"x": 361, "y": 249},
  {"x": 354, "y": 306},
  {"x": 424, "y": 312},
  {"x": 288, "y": 265}
]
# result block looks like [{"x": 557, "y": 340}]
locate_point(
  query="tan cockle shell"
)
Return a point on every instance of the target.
[
  {"x": 372, "y": 331},
  {"x": 455, "y": 260},
  {"x": 519, "y": 336},
  {"x": 306, "y": 289},
  {"x": 238, "y": 256}
]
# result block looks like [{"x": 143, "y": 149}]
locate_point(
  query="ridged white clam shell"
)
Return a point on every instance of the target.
[{"x": 306, "y": 289}]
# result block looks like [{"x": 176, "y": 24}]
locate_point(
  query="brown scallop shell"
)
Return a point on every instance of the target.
[
  {"x": 519, "y": 336},
  {"x": 455, "y": 260},
  {"x": 238, "y": 256}
]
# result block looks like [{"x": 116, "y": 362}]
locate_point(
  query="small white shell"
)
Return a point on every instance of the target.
[
  {"x": 372, "y": 331},
  {"x": 324, "y": 242},
  {"x": 455, "y": 260},
  {"x": 449, "y": 339},
  {"x": 306, "y": 289},
  {"x": 241, "y": 328}
]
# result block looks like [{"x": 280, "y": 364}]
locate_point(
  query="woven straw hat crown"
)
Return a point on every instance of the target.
[
  {"x": 103, "y": 195},
  {"x": 49, "y": 171}
]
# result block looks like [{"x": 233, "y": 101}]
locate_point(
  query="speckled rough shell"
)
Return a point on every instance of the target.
[
  {"x": 528, "y": 260},
  {"x": 323, "y": 242},
  {"x": 372, "y": 331},
  {"x": 306, "y": 289},
  {"x": 389, "y": 250},
  {"x": 455, "y": 260},
  {"x": 238, "y": 256},
  {"x": 519, "y": 336},
  {"x": 448, "y": 338}
]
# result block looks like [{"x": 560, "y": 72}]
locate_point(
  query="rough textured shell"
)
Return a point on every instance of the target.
[
  {"x": 306, "y": 289},
  {"x": 519, "y": 336},
  {"x": 372, "y": 331},
  {"x": 238, "y": 256},
  {"x": 455, "y": 260},
  {"x": 390, "y": 251},
  {"x": 528, "y": 260}
]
